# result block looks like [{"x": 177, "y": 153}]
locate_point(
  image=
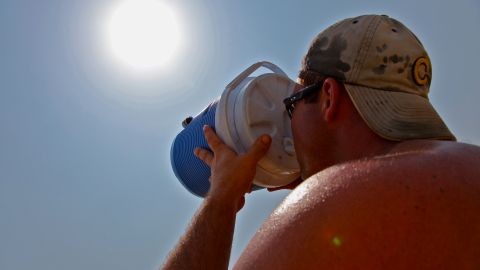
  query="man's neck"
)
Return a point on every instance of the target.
[
  {"x": 363, "y": 145},
  {"x": 346, "y": 147}
]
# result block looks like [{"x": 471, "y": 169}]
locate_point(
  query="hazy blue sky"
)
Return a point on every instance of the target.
[{"x": 85, "y": 176}]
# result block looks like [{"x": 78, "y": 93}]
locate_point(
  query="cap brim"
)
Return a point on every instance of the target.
[{"x": 398, "y": 116}]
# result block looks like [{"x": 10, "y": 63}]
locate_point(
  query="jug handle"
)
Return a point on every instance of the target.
[{"x": 251, "y": 69}]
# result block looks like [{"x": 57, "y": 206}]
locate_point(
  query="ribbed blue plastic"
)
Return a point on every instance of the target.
[{"x": 191, "y": 171}]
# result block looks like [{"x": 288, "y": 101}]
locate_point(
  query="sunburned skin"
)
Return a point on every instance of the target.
[
  {"x": 416, "y": 207},
  {"x": 373, "y": 197}
]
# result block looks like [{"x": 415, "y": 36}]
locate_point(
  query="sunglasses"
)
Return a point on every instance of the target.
[{"x": 305, "y": 92}]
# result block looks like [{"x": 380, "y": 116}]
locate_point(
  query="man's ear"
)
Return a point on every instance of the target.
[{"x": 330, "y": 100}]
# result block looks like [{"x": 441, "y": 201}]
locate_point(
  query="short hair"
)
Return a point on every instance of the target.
[{"x": 311, "y": 77}]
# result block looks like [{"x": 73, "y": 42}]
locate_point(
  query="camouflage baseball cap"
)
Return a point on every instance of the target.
[{"x": 386, "y": 72}]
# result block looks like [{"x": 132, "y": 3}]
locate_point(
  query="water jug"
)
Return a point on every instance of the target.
[{"x": 248, "y": 107}]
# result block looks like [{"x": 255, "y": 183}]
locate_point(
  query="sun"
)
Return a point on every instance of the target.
[{"x": 143, "y": 34}]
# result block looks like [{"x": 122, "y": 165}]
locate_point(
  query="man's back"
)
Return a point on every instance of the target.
[
  {"x": 380, "y": 197},
  {"x": 416, "y": 207}
]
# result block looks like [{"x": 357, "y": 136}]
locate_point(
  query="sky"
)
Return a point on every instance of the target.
[{"x": 85, "y": 174}]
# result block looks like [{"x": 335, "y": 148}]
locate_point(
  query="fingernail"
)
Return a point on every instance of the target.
[
  {"x": 265, "y": 139},
  {"x": 205, "y": 127}
]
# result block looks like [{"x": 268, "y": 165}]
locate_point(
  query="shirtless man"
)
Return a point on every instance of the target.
[{"x": 386, "y": 185}]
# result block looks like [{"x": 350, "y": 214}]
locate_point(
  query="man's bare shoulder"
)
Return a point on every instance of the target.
[{"x": 414, "y": 207}]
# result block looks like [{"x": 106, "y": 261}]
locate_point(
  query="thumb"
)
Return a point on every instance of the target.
[{"x": 259, "y": 147}]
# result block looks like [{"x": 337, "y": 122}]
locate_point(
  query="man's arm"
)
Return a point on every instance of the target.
[{"x": 208, "y": 240}]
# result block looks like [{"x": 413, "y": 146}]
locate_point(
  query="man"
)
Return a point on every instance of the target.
[{"x": 386, "y": 185}]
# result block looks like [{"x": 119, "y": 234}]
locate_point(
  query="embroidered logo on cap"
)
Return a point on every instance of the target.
[{"x": 422, "y": 71}]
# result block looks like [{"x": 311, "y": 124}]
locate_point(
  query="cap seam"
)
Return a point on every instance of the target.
[
  {"x": 364, "y": 47},
  {"x": 379, "y": 129},
  {"x": 382, "y": 89}
]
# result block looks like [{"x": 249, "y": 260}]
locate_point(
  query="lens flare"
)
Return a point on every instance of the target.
[{"x": 337, "y": 241}]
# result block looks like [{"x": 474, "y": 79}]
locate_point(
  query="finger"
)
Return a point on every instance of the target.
[
  {"x": 259, "y": 147},
  {"x": 241, "y": 203},
  {"x": 204, "y": 155},
  {"x": 280, "y": 188},
  {"x": 214, "y": 142},
  {"x": 290, "y": 186}
]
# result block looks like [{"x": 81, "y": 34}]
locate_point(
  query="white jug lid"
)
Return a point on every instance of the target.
[{"x": 255, "y": 107}]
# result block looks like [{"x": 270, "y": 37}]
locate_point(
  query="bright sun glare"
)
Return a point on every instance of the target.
[{"x": 143, "y": 34}]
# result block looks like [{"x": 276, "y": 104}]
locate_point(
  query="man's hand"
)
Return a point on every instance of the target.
[
  {"x": 208, "y": 240},
  {"x": 232, "y": 174}
]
